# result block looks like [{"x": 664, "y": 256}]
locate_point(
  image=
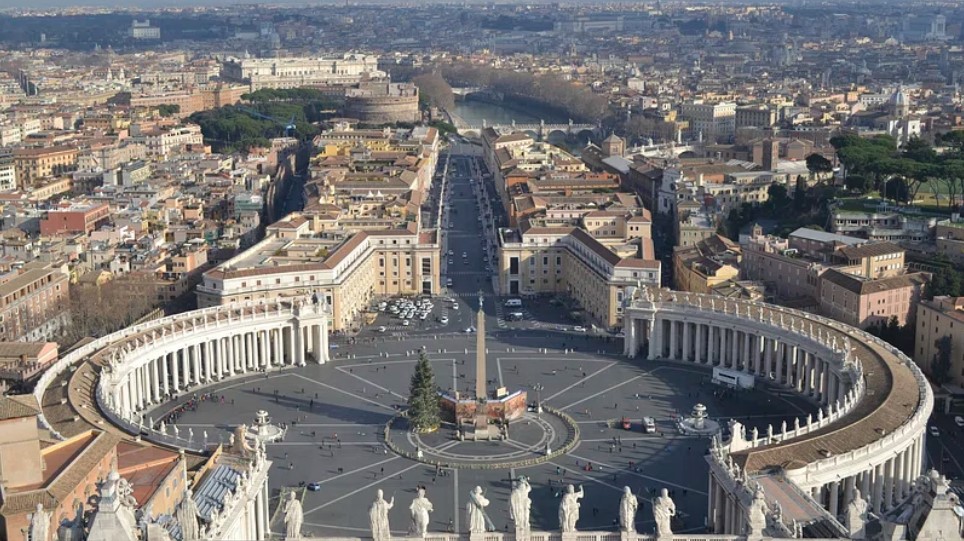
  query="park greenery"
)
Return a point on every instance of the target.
[
  {"x": 265, "y": 115},
  {"x": 807, "y": 208},
  {"x": 877, "y": 164},
  {"x": 423, "y": 399}
]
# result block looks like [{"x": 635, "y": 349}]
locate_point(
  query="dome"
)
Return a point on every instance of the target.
[{"x": 899, "y": 98}]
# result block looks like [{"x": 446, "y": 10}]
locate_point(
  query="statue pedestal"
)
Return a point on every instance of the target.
[
  {"x": 570, "y": 536},
  {"x": 628, "y": 536},
  {"x": 477, "y": 536},
  {"x": 521, "y": 535}
]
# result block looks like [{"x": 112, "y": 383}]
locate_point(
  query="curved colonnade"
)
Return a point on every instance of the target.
[
  {"x": 150, "y": 363},
  {"x": 871, "y": 402}
]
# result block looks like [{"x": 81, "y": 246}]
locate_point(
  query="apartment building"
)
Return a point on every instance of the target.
[
  {"x": 162, "y": 142},
  {"x": 882, "y": 221},
  {"x": 8, "y": 176},
  {"x": 293, "y": 261},
  {"x": 75, "y": 218},
  {"x": 949, "y": 235},
  {"x": 568, "y": 260},
  {"x": 937, "y": 318},
  {"x": 33, "y": 303},
  {"x": 22, "y": 361},
  {"x": 702, "y": 266},
  {"x": 34, "y": 163},
  {"x": 864, "y": 302},
  {"x": 754, "y": 116}
]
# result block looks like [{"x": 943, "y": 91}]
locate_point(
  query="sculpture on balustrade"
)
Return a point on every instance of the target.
[
  {"x": 39, "y": 523},
  {"x": 569, "y": 509},
  {"x": 125, "y": 493},
  {"x": 664, "y": 509},
  {"x": 72, "y": 530},
  {"x": 855, "y": 517},
  {"x": 756, "y": 521},
  {"x": 475, "y": 509},
  {"x": 627, "y": 511},
  {"x": 420, "y": 509},
  {"x": 294, "y": 517},
  {"x": 187, "y": 513},
  {"x": 378, "y": 517},
  {"x": 520, "y": 505}
]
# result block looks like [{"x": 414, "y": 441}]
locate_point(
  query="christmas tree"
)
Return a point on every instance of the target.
[{"x": 423, "y": 399}]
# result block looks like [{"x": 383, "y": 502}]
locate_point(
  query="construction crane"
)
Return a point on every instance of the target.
[{"x": 289, "y": 126}]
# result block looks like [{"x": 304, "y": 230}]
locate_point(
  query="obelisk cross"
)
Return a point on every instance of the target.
[{"x": 480, "y": 381}]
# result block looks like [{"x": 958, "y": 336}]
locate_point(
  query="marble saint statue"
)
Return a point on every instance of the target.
[
  {"x": 664, "y": 509},
  {"x": 39, "y": 523},
  {"x": 294, "y": 517},
  {"x": 187, "y": 517},
  {"x": 855, "y": 517},
  {"x": 627, "y": 511},
  {"x": 378, "y": 517},
  {"x": 475, "y": 509},
  {"x": 520, "y": 504},
  {"x": 420, "y": 509},
  {"x": 756, "y": 520},
  {"x": 569, "y": 509}
]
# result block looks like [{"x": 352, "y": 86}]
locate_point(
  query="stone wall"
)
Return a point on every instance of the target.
[{"x": 382, "y": 109}]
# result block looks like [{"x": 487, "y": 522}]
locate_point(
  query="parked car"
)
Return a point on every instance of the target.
[
  {"x": 934, "y": 431},
  {"x": 959, "y": 421},
  {"x": 314, "y": 486}
]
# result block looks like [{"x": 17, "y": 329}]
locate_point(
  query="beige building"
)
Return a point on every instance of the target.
[
  {"x": 292, "y": 261},
  {"x": 35, "y": 162},
  {"x": 570, "y": 261},
  {"x": 296, "y": 72},
  {"x": 864, "y": 302},
  {"x": 937, "y": 318},
  {"x": 701, "y": 267},
  {"x": 950, "y": 238}
]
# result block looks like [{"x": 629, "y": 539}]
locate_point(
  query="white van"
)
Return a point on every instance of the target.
[{"x": 513, "y": 303}]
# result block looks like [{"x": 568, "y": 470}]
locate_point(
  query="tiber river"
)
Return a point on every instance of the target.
[{"x": 474, "y": 112}]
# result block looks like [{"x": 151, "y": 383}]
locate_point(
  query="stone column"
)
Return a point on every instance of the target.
[
  {"x": 196, "y": 363},
  {"x": 698, "y": 339},
  {"x": 865, "y": 484},
  {"x": 687, "y": 341},
  {"x": 834, "y": 499},
  {"x": 889, "y": 487},
  {"x": 175, "y": 370},
  {"x": 165, "y": 379},
  {"x": 748, "y": 361},
  {"x": 156, "y": 374},
  {"x": 278, "y": 350},
  {"x": 735, "y": 349},
  {"x": 878, "y": 488},
  {"x": 673, "y": 339}
]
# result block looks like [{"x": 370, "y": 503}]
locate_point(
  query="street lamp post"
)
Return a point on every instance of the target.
[{"x": 538, "y": 387}]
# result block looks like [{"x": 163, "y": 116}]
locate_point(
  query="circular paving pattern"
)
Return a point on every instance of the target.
[{"x": 533, "y": 439}]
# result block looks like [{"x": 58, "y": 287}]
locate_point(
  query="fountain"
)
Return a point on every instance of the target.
[
  {"x": 698, "y": 423},
  {"x": 262, "y": 431}
]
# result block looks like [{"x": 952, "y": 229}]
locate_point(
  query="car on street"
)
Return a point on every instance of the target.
[
  {"x": 444, "y": 320},
  {"x": 959, "y": 421},
  {"x": 451, "y": 262},
  {"x": 934, "y": 431},
  {"x": 579, "y": 328},
  {"x": 455, "y": 306},
  {"x": 470, "y": 329},
  {"x": 406, "y": 323},
  {"x": 382, "y": 329},
  {"x": 448, "y": 282},
  {"x": 649, "y": 425},
  {"x": 314, "y": 486}
]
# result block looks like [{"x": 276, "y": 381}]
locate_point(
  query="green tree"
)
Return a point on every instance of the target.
[
  {"x": 946, "y": 281},
  {"x": 818, "y": 165},
  {"x": 168, "y": 109},
  {"x": 423, "y": 399},
  {"x": 941, "y": 363}
]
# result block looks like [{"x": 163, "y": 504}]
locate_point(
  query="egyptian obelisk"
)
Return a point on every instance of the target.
[
  {"x": 480, "y": 380},
  {"x": 481, "y": 431}
]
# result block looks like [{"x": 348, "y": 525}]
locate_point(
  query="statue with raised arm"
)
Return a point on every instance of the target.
[
  {"x": 520, "y": 504},
  {"x": 378, "y": 517},
  {"x": 294, "y": 517},
  {"x": 855, "y": 517},
  {"x": 664, "y": 509},
  {"x": 569, "y": 509},
  {"x": 187, "y": 518},
  {"x": 475, "y": 509},
  {"x": 420, "y": 509},
  {"x": 627, "y": 511},
  {"x": 39, "y": 524}
]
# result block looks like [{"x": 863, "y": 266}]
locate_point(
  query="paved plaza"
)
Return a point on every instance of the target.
[{"x": 336, "y": 414}]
